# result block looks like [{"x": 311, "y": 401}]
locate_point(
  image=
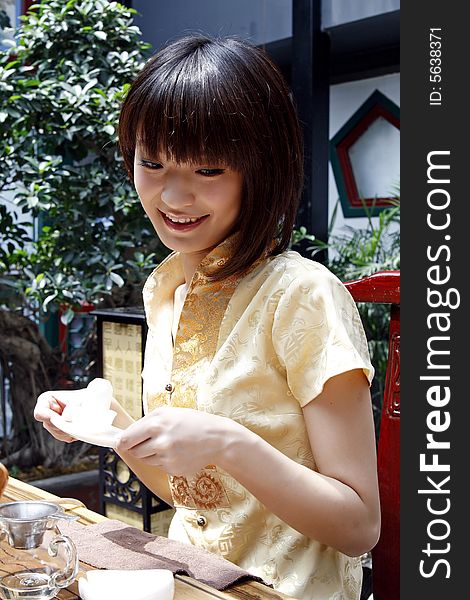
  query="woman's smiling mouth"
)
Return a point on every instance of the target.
[{"x": 182, "y": 223}]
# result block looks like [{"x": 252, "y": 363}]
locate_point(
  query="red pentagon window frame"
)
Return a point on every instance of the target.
[{"x": 375, "y": 107}]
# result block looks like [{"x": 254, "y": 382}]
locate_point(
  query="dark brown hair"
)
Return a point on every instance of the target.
[{"x": 222, "y": 100}]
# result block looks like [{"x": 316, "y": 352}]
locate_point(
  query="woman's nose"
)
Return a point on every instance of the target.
[{"x": 176, "y": 193}]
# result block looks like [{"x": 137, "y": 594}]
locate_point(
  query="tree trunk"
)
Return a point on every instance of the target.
[{"x": 31, "y": 367}]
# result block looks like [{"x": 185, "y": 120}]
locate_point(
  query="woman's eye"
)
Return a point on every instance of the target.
[
  {"x": 211, "y": 172},
  {"x": 150, "y": 165}
]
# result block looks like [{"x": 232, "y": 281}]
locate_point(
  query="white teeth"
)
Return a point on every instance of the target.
[{"x": 189, "y": 220}]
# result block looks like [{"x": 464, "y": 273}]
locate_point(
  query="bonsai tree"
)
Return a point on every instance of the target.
[{"x": 72, "y": 230}]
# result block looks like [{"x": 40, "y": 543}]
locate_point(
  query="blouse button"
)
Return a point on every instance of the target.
[
  {"x": 169, "y": 387},
  {"x": 201, "y": 521}
]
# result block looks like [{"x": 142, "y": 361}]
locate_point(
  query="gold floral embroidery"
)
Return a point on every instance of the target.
[
  {"x": 195, "y": 346},
  {"x": 205, "y": 491},
  {"x": 180, "y": 491},
  {"x": 208, "y": 491}
]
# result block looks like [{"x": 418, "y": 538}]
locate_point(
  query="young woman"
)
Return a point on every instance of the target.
[{"x": 258, "y": 425}]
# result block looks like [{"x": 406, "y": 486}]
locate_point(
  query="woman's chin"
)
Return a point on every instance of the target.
[{"x": 186, "y": 245}]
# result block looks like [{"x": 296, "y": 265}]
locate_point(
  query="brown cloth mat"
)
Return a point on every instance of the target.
[{"x": 115, "y": 545}]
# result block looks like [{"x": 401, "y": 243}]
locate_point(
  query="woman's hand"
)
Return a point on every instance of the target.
[
  {"x": 46, "y": 406},
  {"x": 180, "y": 441}
]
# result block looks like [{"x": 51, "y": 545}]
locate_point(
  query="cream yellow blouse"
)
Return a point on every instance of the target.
[{"x": 256, "y": 349}]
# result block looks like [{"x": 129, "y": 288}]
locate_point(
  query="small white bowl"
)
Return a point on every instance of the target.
[{"x": 145, "y": 584}]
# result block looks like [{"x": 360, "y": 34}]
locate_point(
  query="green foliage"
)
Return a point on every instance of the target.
[
  {"x": 301, "y": 234},
  {"x": 60, "y": 92},
  {"x": 13, "y": 236},
  {"x": 357, "y": 252}
]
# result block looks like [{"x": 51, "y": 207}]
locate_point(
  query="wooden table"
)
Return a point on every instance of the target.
[{"x": 186, "y": 588}]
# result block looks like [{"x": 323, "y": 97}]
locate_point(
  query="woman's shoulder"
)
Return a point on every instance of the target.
[
  {"x": 293, "y": 269},
  {"x": 291, "y": 279}
]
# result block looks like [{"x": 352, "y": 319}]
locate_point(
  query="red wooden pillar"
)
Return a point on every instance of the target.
[
  {"x": 386, "y": 555},
  {"x": 384, "y": 287}
]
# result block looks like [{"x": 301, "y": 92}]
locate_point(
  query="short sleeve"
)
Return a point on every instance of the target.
[{"x": 318, "y": 333}]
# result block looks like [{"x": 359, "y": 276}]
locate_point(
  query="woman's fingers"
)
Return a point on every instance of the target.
[
  {"x": 136, "y": 434},
  {"x": 58, "y": 434},
  {"x": 48, "y": 405},
  {"x": 143, "y": 450}
]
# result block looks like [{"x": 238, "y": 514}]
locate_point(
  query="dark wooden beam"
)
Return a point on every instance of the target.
[
  {"x": 366, "y": 48},
  {"x": 25, "y": 4},
  {"x": 310, "y": 86}
]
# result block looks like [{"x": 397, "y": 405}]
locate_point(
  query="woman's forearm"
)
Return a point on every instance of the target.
[
  {"x": 318, "y": 506},
  {"x": 155, "y": 479}
]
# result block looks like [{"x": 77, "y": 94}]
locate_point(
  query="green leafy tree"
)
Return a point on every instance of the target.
[
  {"x": 76, "y": 232},
  {"x": 60, "y": 94}
]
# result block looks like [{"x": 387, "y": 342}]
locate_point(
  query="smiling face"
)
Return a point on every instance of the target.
[
  {"x": 193, "y": 207},
  {"x": 225, "y": 100}
]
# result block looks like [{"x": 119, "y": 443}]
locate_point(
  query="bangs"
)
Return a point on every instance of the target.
[{"x": 193, "y": 110}]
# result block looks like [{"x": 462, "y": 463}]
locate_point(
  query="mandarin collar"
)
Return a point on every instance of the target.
[{"x": 172, "y": 265}]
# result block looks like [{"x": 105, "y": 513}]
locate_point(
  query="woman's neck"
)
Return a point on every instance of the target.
[{"x": 190, "y": 263}]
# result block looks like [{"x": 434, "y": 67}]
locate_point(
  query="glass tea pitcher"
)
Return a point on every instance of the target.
[{"x": 36, "y": 559}]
